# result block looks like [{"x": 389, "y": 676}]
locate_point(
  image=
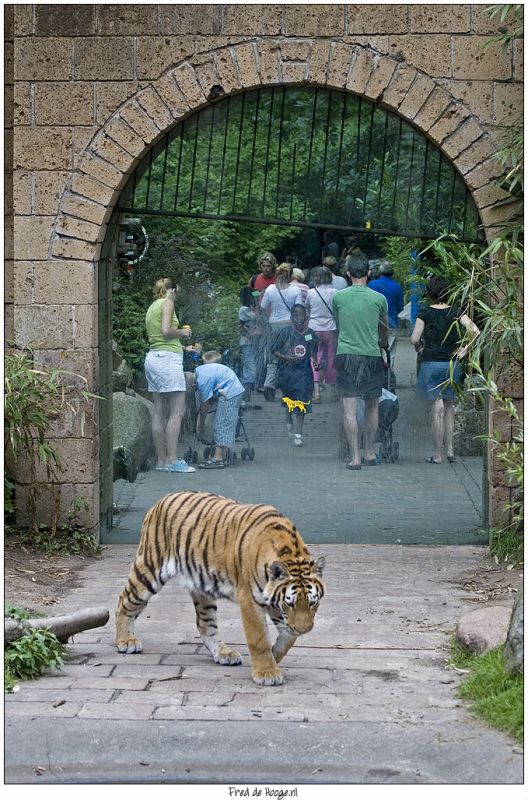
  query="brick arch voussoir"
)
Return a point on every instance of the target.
[{"x": 116, "y": 149}]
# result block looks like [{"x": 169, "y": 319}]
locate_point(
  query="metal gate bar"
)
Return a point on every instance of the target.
[{"x": 261, "y": 157}]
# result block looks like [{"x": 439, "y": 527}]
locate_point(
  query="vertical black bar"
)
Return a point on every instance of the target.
[
  {"x": 322, "y": 192},
  {"x": 424, "y": 179},
  {"x": 148, "y": 178},
  {"x": 409, "y": 179},
  {"x": 191, "y": 188},
  {"x": 292, "y": 180},
  {"x": 280, "y": 151},
  {"x": 134, "y": 185},
  {"x": 307, "y": 182},
  {"x": 166, "y": 147},
  {"x": 241, "y": 125},
  {"x": 353, "y": 198},
  {"x": 438, "y": 181},
  {"x": 255, "y": 126},
  {"x": 209, "y": 158},
  {"x": 369, "y": 152},
  {"x": 178, "y": 174},
  {"x": 267, "y": 153},
  {"x": 378, "y": 210},
  {"x": 452, "y": 200},
  {"x": 224, "y": 149},
  {"x": 464, "y": 218},
  {"x": 342, "y": 133},
  {"x": 397, "y": 171}
]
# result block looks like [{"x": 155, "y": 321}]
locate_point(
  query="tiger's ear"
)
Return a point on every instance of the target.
[
  {"x": 319, "y": 565},
  {"x": 278, "y": 570}
]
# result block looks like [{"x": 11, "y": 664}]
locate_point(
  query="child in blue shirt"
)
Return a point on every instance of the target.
[{"x": 217, "y": 383}]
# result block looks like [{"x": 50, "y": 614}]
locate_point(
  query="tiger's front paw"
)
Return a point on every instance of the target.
[
  {"x": 228, "y": 657},
  {"x": 268, "y": 677},
  {"x": 129, "y": 645}
]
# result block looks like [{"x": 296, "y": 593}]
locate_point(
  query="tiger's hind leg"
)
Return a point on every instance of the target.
[{"x": 205, "y": 607}]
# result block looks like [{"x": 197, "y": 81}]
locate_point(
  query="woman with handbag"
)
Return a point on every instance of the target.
[
  {"x": 322, "y": 321},
  {"x": 277, "y": 301}
]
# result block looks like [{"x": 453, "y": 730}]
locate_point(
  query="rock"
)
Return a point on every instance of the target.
[
  {"x": 469, "y": 425},
  {"x": 122, "y": 373},
  {"x": 514, "y": 647},
  {"x": 483, "y": 629},
  {"x": 133, "y": 447}
]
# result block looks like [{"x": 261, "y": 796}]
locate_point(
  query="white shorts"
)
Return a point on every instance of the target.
[{"x": 164, "y": 371}]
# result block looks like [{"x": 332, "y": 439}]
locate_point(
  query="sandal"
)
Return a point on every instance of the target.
[
  {"x": 431, "y": 460},
  {"x": 370, "y": 462},
  {"x": 211, "y": 464},
  {"x": 353, "y": 466},
  {"x": 451, "y": 459}
]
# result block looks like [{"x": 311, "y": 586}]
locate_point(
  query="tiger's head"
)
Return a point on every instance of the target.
[{"x": 294, "y": 590}]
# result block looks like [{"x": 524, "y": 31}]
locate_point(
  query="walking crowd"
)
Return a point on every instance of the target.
[{"x": 301, "y": 331}]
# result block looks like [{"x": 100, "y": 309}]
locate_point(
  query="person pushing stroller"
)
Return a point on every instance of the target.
[{"x": 215, "y": 382}]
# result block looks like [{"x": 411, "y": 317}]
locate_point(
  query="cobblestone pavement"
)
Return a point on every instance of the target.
[{"x": 368, "y": 697}]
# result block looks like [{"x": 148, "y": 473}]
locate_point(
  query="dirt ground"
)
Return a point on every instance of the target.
[{"x": 36, "y": 582}]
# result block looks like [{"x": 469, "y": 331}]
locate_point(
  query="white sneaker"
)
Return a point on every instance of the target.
[{"x": 297, "y": 440}]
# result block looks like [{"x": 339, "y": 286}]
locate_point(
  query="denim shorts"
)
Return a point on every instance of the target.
[{"x": 435, "y": 380}]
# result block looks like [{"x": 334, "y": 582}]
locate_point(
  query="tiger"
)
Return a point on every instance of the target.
[{"x": 221, "y": 548}]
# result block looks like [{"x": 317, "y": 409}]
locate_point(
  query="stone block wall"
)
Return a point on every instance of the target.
[{"x": 89, "y": 88}]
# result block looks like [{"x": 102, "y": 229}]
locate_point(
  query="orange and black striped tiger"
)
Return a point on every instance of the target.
[{"x": 219, "y": 548}]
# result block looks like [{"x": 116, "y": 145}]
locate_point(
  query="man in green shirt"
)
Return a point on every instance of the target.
[{"x": 362, "y": 321}]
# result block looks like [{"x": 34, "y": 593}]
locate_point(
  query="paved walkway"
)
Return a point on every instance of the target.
[
  {"x": 408, "y": 502},
  {"x": 368, "y": 697}
]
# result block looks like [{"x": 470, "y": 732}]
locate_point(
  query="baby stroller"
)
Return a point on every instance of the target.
[
  {"x": 388, "y": 410},
  {"x": 207, "y": 439}
]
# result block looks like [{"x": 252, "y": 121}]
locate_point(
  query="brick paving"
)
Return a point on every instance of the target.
[{"x": 369, "y": 685}]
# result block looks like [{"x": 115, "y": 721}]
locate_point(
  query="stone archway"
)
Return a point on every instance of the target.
[
  {"x": 140, "y": 122},
  {"x": 102, "y": 169}
]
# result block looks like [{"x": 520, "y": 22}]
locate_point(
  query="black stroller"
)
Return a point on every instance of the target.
[{"x": 388, "y": 410}]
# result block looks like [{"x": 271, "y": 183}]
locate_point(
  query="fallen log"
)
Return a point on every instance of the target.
[{"x": 63, "y": 627}]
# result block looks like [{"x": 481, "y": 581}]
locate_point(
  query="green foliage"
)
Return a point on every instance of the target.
[
  {"x": 33, "y": 399},
  {"x": 28, "y": 657},
  {"x": 494, "y": 695},
  {"x": 66, "y": 539},
  {"x": 13, "y": 612},
  {"x": 209, "y": 260},
  {"x": 507, "y": 546},
  {"x": 303, "y": 154},
  {"x": 129, "y": 332},
  {"x": 510, "y": 15}
]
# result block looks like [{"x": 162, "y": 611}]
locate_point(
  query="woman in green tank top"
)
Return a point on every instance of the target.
[{"x": 165, "y": 377}]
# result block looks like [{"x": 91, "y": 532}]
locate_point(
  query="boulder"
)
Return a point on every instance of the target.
[
  {"x": 484, "y": 629},
  {"x": 469, "y": 425},
  {"x": 122, "y": 373},
  {"x": 133, "y": 447},
  {"x": 514, "y": 647}
]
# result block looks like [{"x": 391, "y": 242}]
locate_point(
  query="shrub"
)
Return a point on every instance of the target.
[
  {"x": 33, "y": 398},
  {"x": 28, "y": 657}
]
